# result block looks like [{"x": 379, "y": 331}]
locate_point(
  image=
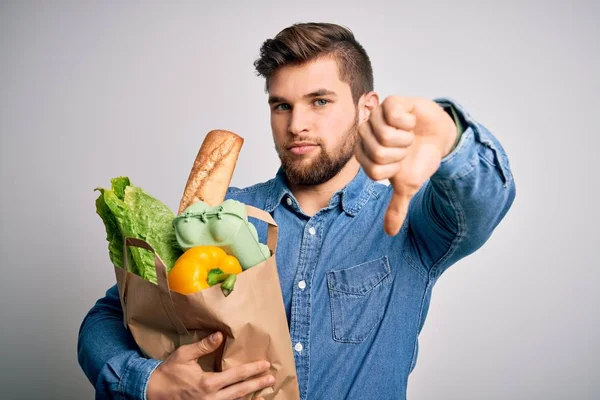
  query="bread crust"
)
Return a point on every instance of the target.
[{"x": 213, "y": 168}]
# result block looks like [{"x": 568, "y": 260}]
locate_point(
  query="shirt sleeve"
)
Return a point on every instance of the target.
[
  {"x": 458, "y": 209},
  {"x": 108, "y": 354}
]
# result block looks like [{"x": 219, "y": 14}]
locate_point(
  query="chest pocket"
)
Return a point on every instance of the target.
[{"x": 358, "y": 297}]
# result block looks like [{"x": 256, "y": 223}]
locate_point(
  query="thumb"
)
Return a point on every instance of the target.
[
  {"x": 201, "y": 348},
  {"x": 396, "y": 212}
]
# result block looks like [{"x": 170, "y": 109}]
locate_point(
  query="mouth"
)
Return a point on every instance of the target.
[{"x": 302, "y": 147}]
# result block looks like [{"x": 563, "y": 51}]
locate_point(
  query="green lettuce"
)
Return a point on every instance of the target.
[{"x": 128, "y": 211}]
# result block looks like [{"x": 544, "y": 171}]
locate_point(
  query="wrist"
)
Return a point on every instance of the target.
[
  {"x": 458, "y": 125},
  {"x": 155, "y": 385},
  {"x": 156, "y": 382},
  {"x": 451, "y": 135}
]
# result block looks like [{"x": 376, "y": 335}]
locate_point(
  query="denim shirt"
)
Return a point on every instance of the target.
[{"x": 356, "y": 298}]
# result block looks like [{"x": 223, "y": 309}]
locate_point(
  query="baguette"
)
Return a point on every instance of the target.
[{"x": 213, "y": 168}]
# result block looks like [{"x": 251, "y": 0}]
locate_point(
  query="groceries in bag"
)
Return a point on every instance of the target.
[{"x": 164, "y": 309}]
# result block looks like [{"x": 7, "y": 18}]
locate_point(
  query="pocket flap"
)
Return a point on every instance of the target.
[{"x": 359, "y": 279}]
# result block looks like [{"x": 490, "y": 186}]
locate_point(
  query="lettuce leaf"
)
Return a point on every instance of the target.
[
  {"x": 128, "y": 211},
  {"x": 114, "y": 235},
  {"x": 119, "y": 184}
]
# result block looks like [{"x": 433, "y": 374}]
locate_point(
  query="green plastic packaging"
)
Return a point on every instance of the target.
[{"x": 225, "y": 226}]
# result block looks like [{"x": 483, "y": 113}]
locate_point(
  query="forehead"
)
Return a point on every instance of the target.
[{"x": 297, "y": 80}]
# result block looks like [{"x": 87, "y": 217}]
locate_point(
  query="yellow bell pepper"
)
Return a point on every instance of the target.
[{"x": 202, "y": 267}]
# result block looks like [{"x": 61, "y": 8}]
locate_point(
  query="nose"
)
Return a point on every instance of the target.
[{"x": 299, "y": 121}]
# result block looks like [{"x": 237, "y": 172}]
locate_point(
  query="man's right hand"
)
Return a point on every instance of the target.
[{"x": 180, "y": 376}]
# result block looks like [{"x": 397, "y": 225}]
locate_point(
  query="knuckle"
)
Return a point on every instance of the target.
[
  {"x": 256, "y": 369},
  {"x": 376, "y": 173},
  {"x": 392, "y": 104},
  {"x": 379, "y": 175},
  {"x": 390, "y": 101},
  {"x": 207, "y": 384},
  {"x": 246, "y": 371},
  {"x": 394, "y": 113},
  {"x": 379, "y": 155},
  {"x": 385, "y": 104},
  {"x": 260, "y": 383},
  {"x": 386, "y": 137}
]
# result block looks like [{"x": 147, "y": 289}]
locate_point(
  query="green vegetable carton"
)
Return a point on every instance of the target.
[{"x": 225, "y": 226}]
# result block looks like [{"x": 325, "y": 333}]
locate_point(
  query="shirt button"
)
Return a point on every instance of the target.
[
  {"x": 298, "y": 347},
  {"x": 312, "y": 230},
  {"x": 289, "y": 201},
  {"x": 302, "y": 284}
]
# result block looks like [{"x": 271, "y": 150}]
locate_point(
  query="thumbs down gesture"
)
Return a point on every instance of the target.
[{"x": 404, "y": 140}]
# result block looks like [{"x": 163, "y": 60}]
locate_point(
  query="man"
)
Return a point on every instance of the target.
[{"x": 357, "y": 259}]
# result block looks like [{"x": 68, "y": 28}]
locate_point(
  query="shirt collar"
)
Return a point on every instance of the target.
[{"x": 353, "y": 196}]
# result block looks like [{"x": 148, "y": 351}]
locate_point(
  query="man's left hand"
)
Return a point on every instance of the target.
[{"x": 404, "y": 140}]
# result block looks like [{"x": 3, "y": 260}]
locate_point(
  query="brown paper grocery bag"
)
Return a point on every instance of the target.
[{"x": 252, "y": 318}]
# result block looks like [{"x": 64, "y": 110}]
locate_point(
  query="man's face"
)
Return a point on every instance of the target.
[{"x": 314, "y": 121}]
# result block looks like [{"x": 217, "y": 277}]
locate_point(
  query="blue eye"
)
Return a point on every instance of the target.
[
  {"x": 321, "y": 102},
  {"x": 282, "y": 107}
]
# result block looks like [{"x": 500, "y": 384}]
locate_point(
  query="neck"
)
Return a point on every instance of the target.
[{"x": 313, "y": 198}]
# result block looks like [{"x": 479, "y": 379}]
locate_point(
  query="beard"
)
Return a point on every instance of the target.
[{"x": 325, "y": 165}]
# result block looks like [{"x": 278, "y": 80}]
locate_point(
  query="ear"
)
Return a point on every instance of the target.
[{"x": 366, "y": 104}]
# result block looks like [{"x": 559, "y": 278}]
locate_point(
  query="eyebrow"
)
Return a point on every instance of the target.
[{"x": 316, "y": 93}]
